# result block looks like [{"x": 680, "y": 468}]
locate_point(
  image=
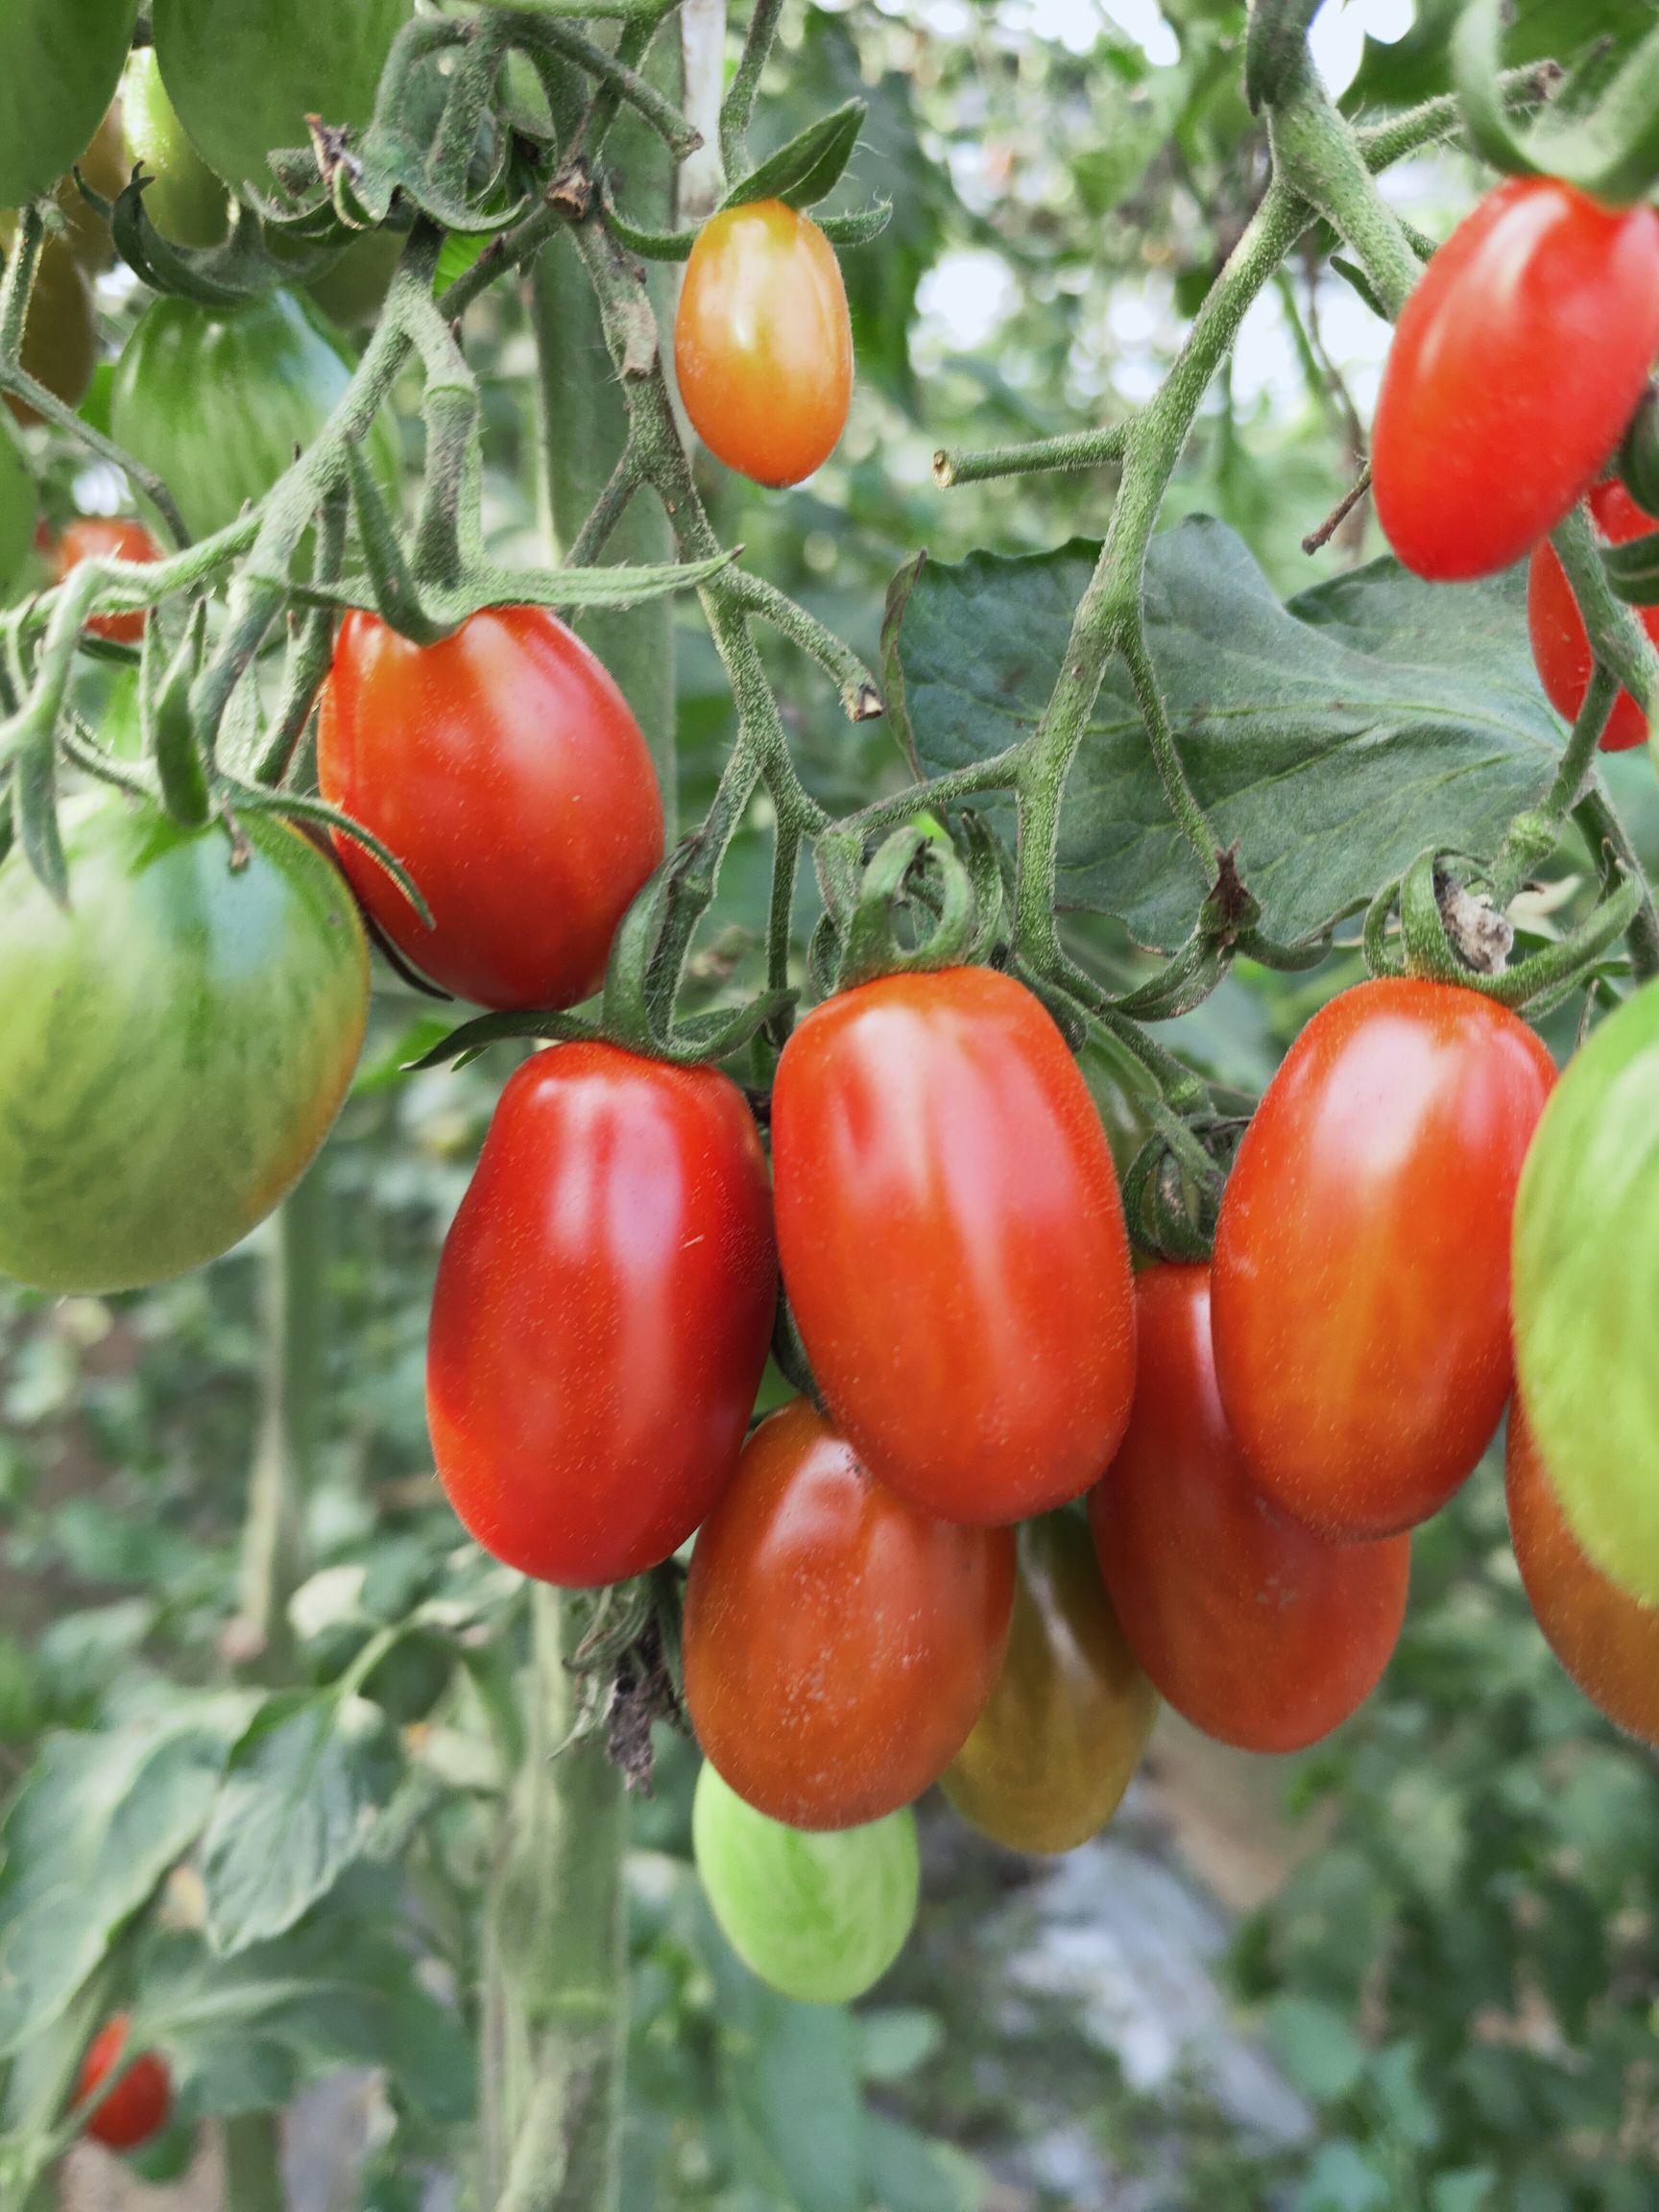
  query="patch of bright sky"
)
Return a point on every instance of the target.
[{"x": 970, "y": 294}]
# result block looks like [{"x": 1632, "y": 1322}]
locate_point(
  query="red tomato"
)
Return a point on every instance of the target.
[
  {"x": 1606, "y": 1641},
  {"x": 762, "y": 343},
  {"x": 839, "y": 1644},
  {"x": 504, "y": 769},
  {"x": 141, "y": 2101},
  {"x": 118, "y": 538},
  {"x": 1560, "y": 645},
  {"x": 1517, "y": 364},
  {"x": 953, "y": 1242},
  {"x": 1258, "y": 1631},
  {"x": 602, "y": 1313},
  {"x": 1361, "y": 1267}
]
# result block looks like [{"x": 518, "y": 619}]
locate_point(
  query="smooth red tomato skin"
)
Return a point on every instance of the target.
[
  {"x": 140, "y": 2103},
  {"x": 602, "y": 1313},
  {"x": 1517, "y": 363},
  {"x": 94, "y": 538},
  {"x": 839, "y": 1644},
  {"x": 1560, "y": 643},
  {"x": 504, "y": 769},
  {"x": 953, "y": 1242},
  {"x": 762, "y": 343},
  {"x": 1258, "y": 1632},
  {"x": 1362, "y": 1265},
  {"x": 1604, "y": 1640}
]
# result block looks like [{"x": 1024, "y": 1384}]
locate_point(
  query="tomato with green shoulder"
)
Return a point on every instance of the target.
[{"x": 176, "y": 1042}]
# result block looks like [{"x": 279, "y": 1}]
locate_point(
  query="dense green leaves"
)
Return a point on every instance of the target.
[
  {"x": 298, "y": 1807},
  {"x": 1374, "y": 699}
]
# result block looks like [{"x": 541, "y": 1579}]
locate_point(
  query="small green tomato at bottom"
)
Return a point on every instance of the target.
[{"x": 818, "y": 1917}]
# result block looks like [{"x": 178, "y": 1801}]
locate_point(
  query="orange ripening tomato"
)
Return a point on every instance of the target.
[
  {"x": 139, "y": 2105},
  {"x": 602, "y": 1313},
  {"x": 117, "y": 537},
  {"x": 763, "y": 342},
  {"x": 1362, "y": 1265},
  {"x": 505, "y": 770},
  {"x": 1258, "y": 1632},
  {"x": 953, "y": 1242},
  {"x": 1068, "y": 1715},
  {"x": 1604, "y": 1640},
  {"x": 1560, "y": 642},
  {"x": 1516, "y": 365},
  {"x": 839, "y": 1643}
]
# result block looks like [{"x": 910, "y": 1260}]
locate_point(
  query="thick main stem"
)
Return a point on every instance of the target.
[
  {"x": 290, "y": 1390},
  {"x": 555, "y": 1953}
]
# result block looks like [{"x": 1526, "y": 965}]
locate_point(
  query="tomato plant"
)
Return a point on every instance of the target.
[
  {"x": 217, "y": 401},
  {"x": 1361, "y": 1285},
  {"x": 1069, "y": 1715},
  {"x": 184, "y": 199},
  {"x": 1560, "y": 642},
  {"x": 118, "y": 538},
  {"x": 138, "y": 2106},
  {"x": 1517, "y": 364},
  {"x": 953, "y": 1242},
  {"x": 59, "y": 63},
  {"x": 178, "y": 1043},
  {"x": 503, "y": 767},
  {"x": 19, "y": 507},
  {"x": 839, "y": 1641},
  {"x": 245, "y": 75},
  {"x": 61, "y": 337},
  {"x": 762, "y": 343},
  {"x": 1584, "y": 1263},
  {"x": 1258, "y": 1631},
  {"x": 820, "y": 1919},
  {"x": 1607, "y": 1641},
  {"x": 602, "y": 1313}
]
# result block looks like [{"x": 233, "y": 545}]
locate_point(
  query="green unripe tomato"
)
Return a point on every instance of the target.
[
  {"x": 59, "y": 63},
  {"x": 216, "y": 399},
  {"x": 1586, "y": 1287},
  {"x": 186, "y": 202},
  {"x": 818, "y": 1917}
]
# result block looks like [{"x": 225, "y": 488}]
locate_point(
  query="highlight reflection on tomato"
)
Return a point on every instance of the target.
[
  {"x": 952, "y": 1242},
  {"x": 1258, "y": 1632},
  {"x": 839, "y": 1643},
  {"x": 1362, "y": 1269},
  {"x": 1068, "y": 1715}
]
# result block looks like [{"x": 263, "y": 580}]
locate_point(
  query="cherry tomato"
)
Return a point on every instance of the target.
[
  {"x": 839, "y": 1643},
  {"x": 95, "y": 537},
  {"x": 819, "y": 1918},
  {"x": 602, "y": 1313},
  {"x": 1517, "y": 364},
  {"x": 1258, "y": 1632},
  {"x": 504, "y": 769},
  {"x": 1586, "y": 1259},
  {"x": 1607, "y": 1642},
  {"x": 1560, "y": 643},
  {"x": 1051, "y": 1754},
  {"x": 1362, "y": 1253},
  {"x": 59, "y": 63},
  {"x": 763, "y": 342},
  {"x": 139, "y": 2105},
  {"x": 953, "y": 1242},
  {"x": 184, "y": 199}
]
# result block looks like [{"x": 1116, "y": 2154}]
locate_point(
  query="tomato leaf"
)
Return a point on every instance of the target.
[
  {"x": 1334, "y": 738},
  {"x": 806, "y": 169},
  {"x": 98, "y": 1824},
  {"x": 297, "y": 1807}
]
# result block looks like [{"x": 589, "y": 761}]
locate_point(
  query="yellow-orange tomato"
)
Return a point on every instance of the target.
[
  {"x": 1606, "y": 1641},
  {"x": 1051, "y": 1754},
  {"x": 762, "y": 343}
]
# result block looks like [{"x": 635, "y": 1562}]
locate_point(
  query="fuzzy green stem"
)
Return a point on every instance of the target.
[
  {"x": 738, "y": 110},
  {"x": 555, "y": 1953},
  {"x": 1074, "y": 449},
  {"x": 294, "y": 1278}
]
